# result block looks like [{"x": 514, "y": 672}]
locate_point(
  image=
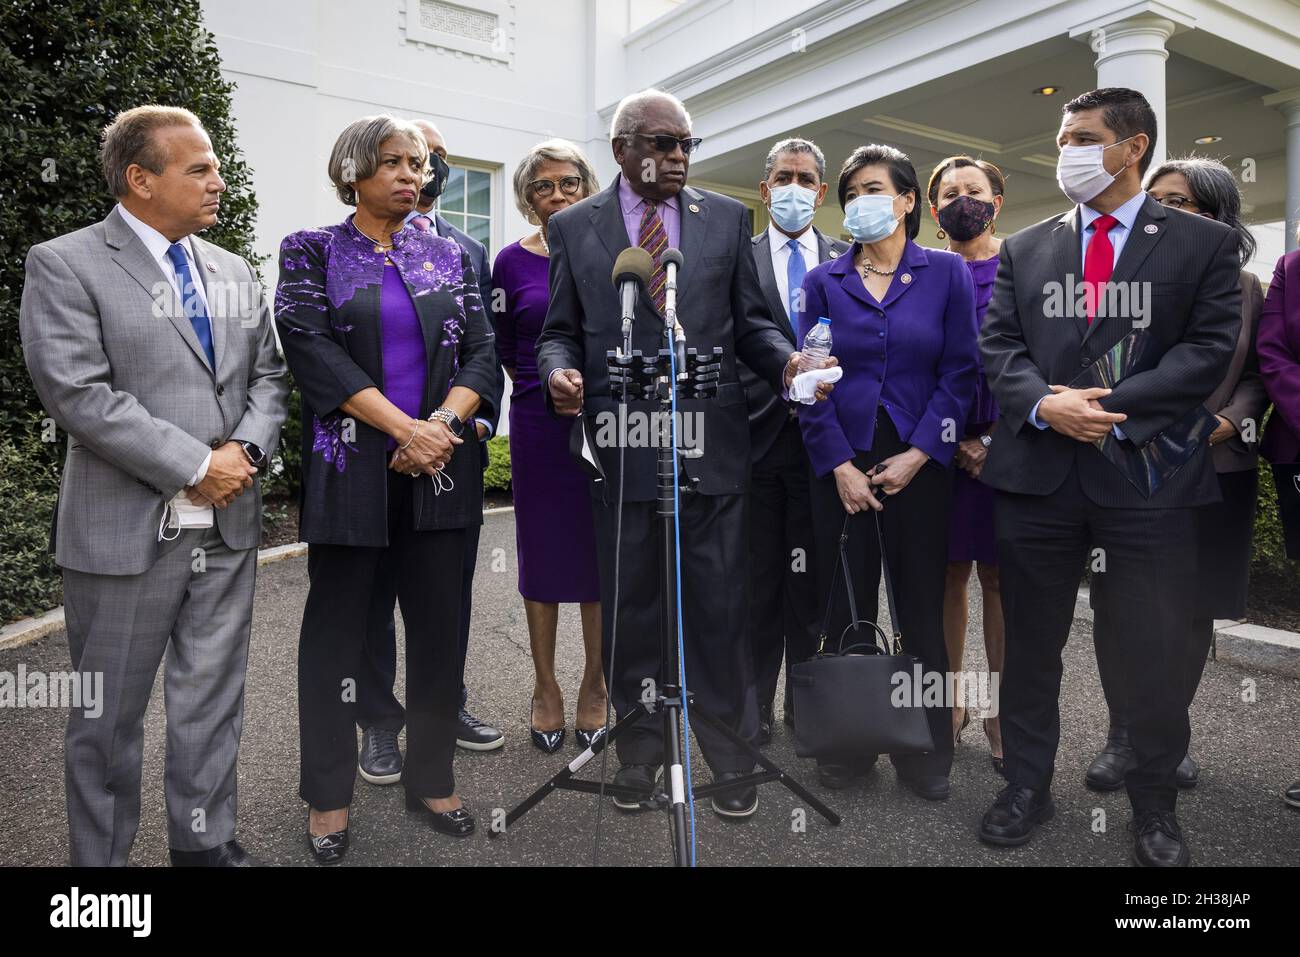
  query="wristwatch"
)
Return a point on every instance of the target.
[
  {"x": 986, "y": 440},
  {"x": 448, "y": 418},
  {"x": 256, "y": 456}
]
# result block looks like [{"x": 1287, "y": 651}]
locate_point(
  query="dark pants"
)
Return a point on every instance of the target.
[
  {"x": 915, "y": 527},
  {"x": 426, "y": 568},
  {"x": 377, "y": 706},
  {"x": 1110, "y": 650},
  {"x": 783, "y": 611},
  {"x": 714, "y": 614},
  {"x": 1143, "y": 594}
]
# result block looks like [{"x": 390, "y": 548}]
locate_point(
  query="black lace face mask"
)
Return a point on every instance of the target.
[{"x": 965, "y": 218}]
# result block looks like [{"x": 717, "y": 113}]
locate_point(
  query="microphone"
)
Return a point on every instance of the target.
[
  {"x": 672, "y": 261},
  {"x": 632, "y": 270}
]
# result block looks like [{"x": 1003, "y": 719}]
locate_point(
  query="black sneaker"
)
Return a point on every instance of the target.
[
  {"x": 381, "y": 761},
  {"x": 473, "y": 735}
]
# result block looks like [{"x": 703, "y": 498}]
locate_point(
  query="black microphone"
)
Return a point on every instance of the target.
[
  {"x": 672, "y": 261},
  {"x": 631, "y": 270}
]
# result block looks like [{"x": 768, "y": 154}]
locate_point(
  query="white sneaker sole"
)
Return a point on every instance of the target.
[
  {"x": 475, "y": 746},
  {"x": 380, "y": 778},
  {"x": 749, "y": 812},
  {"x": 624, "y": 805}
]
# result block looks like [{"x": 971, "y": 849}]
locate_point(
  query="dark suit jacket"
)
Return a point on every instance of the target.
[
  {"x": 489, "y": 409},
  {"x": 1195, "y": 310},
  {"x": 719, "y": 304},
  {"x": 1279, "y": 360},
  {"x": 768, "y": 412}
]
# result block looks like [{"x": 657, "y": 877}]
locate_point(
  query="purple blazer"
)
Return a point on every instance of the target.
[
  {"x": 1278, "y": 346},
  {"x": 915, "y": 354}
]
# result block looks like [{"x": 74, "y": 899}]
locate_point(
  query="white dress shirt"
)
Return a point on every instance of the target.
[
  {"x": 780, "y": 248},
  {"x": 157, "y": 244}
]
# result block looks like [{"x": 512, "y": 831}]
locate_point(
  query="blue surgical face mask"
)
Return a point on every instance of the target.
[
  {"x": 792, "y": 206},
  {"x": 870, "y": 218}
]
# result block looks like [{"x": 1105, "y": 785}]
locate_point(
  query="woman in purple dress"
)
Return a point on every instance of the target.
[
  {"x": 554, "y": 536},
  {"x": 965, "y": 198}
]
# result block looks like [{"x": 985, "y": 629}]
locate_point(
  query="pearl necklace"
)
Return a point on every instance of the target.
[
  {"x": 541, "y": 238},
  {"x": 867, "y": 267}
]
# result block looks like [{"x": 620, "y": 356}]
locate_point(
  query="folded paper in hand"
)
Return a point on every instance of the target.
[{"x": 804, "y": 387}]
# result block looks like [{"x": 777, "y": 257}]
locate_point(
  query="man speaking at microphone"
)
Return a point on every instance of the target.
[{"x": 720, "y": 303}]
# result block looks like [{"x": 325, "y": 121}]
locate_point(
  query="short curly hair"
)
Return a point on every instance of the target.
[
  {"x": 356, "y": 152},
  {"x": 559, "y": 151}
]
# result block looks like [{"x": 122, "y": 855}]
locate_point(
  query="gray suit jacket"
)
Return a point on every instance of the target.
[
  {"x": 767, "y": 412},
  {"x": 118, "y": 366}
]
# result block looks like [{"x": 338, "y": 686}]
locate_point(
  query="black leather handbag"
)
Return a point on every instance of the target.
[{"x": 863, "y": 699}]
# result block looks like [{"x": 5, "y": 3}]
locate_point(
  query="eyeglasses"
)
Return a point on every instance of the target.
[
  {"x": 1176, "y": 201},
  {"x": 666, "y": 143},
  {"x": 545, "y": 187}
]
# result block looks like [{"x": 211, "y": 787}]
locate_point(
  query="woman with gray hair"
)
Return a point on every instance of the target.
[
  {"x": 552, "y": 501},
  {"x": 1205, "y": 187},
  {"x": 385, "y": 335}
]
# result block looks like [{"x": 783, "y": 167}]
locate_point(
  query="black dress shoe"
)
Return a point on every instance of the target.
[
  {"x": 1188, "y": 773},
  {"x": 739, "y": 802},
  {"x": 457, "y": 823},
  {"x": 1015, "y": 813},
  {"x": 1158, "y": 840},
  {"x": 642, "y": 777},
  {"x": 1292, "y": 795},
  {"x": 932, "y": 787},
  {"x": 473, "y": 735},
  {"x": 587, "y": 738},
  {"x": 764, "y": 725},
  {"x": 548, "y": 741},
  {"x": 229, "y": 854},
  {"x": 1106, "y": 773},
  {"x": 329, "y": 848},
  {"x": 380, "y": 761},
  {"x": 843, "y": 774}
]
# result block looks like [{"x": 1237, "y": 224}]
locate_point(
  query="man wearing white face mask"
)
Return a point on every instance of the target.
[
  {"x": 1062, "y": 502},
  {"x": 783, "y": 612}
]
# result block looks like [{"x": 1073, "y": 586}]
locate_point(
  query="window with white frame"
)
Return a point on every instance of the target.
[{"x": 466, "y": 203}]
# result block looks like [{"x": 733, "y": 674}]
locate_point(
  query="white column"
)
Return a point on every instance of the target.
[
  {"x": 1132, "y": 53},
  {"x": 1291, "y": 110}
]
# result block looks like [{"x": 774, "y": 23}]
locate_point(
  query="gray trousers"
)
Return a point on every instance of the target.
[{"x": 195, "y": 604}]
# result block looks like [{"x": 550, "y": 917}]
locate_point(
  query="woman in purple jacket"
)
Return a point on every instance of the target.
[
  {"x": 904, "y": 329},
  {"x": 1278, "y": 347}
]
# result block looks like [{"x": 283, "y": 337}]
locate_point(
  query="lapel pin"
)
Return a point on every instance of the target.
[
  {"x": 1151, "y": 229},
  {"x": 212, "y": 267},
  {"x": 832, "y": 253},
  {"x": 428, "y": 267},
  {"x": 693, "y": 208},
  {"x": 905, "y": 278}
]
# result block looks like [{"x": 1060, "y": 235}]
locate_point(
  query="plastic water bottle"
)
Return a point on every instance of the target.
[{"x": 816, "y": 350}]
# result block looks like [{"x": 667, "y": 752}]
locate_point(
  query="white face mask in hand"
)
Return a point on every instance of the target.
[
  {"x": 1080, "y": 172},
  {"x": 179, "y": 514}
]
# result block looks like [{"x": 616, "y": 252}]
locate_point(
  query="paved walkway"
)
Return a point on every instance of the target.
[{"x": 1248, "y": 752}]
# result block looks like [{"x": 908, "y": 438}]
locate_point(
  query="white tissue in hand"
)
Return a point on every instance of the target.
[{"x": 804, "y": 387}]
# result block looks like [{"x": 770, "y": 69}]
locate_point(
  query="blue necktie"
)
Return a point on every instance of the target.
[
  {"x": 192, "y": 301},
  {"x": 795, "y": 270}
]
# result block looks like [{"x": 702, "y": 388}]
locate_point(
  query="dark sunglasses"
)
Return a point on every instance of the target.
[
  {"x": 545, "y": 187},
  {"x": 666, "y": 143}
]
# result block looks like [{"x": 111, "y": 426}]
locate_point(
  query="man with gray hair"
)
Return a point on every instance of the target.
[
  {"x": 650, "y": 206},
  {"x": 155, "y": 352},
  {"x": 783, "y": 612}
]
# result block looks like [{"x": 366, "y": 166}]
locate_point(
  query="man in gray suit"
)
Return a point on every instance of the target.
[
  {"x": 783, "y": 610},
  {"x": 156, "y": 353}
]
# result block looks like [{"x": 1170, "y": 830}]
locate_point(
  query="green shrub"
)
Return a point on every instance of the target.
[
  {"x": 1270, "y": 551},
  {"x": 68, "y": 68},
  {"x": 497, "y": 476}
]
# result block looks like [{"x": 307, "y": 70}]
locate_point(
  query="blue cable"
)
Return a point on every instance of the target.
[{"x": 677, "y": 556}]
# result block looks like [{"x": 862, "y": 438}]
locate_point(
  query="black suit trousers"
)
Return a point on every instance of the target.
[
  {"x": 783, "y": 613},
  {"x": 714, "y": 612},
  {"x": 1143, "y": 565}
]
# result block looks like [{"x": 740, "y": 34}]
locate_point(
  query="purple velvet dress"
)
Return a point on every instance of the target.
[
  {"x": 555, "y": 537},
  {"x": 971, "y": 536}
]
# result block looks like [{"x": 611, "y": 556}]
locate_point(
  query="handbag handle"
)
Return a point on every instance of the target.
[{"x": 842, "y": 564}]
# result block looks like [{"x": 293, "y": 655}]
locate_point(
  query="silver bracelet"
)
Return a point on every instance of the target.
[
  {"x": 448, "y": 418},
  {"x": 415, "y": 431}
]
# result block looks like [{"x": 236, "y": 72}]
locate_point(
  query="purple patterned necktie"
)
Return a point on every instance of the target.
[{"x": 653, "y": 238}]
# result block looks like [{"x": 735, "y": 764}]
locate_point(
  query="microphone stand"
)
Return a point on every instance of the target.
[{"x": 633, "y": 375}]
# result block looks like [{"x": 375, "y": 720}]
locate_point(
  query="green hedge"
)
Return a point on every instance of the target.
[
  {"x": 497, "y": 476},
  {"x": 67, "y": 68}
]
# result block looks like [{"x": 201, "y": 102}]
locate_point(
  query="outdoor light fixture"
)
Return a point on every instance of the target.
[
  {"x": 1205, "y": 140},
  {"x": 1046, "y": 90}
]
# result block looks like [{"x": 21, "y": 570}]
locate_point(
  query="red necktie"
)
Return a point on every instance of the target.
[
  {"x": 422, "y": 223},
  {"x": 1099, "y": 263},
  {"x": 653, "y": 238}
]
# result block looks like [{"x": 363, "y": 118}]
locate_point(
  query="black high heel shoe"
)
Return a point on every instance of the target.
[
  {"x": 587, "y": 738},
  {"x": 457, "y": 823},
  {"x": 547, "y": 741},
  {"x": 328, "y": 848}
]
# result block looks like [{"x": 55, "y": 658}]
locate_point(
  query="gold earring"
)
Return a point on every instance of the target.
[
  {"x": 941, "y": 234},
  {"x": 993, "y": 229}
]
